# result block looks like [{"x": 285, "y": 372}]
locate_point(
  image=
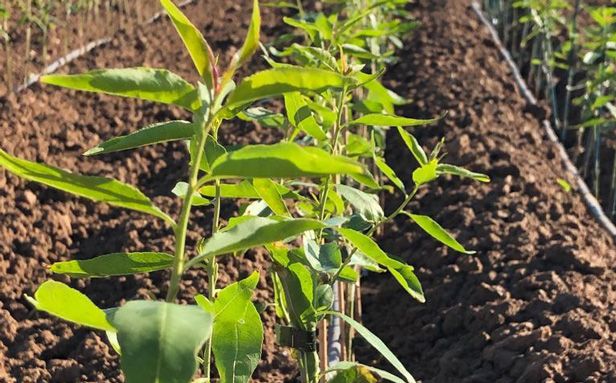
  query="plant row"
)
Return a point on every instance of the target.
[
  {"x": 311, "y": 199},
  {"x": 28, "y": 28},
  {"x": 568, "y": 51}
]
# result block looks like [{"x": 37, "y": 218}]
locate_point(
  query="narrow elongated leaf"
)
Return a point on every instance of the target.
[
  {"x": 437, "y": 232},
  {"x": 402, "y": 272},
  {"x": 277, "y": 81},
  {"x": 69, "y": 304},
  {"x": 251, "y": 42},
  {"x": 238, "y": 332},
  {"x": 377, "y": 119},
  {"x": 283, "y": 160},
  {"x": 461, "y": 172},
  {"x": 150, "y": 84},
  {"x": 245, "y": 189},
  {"x": 160, "y": 340},
  {"x": 256, "y": 231},
  {"x": 366, "y": 205},
  {"x": 414, "y": 146},
  {"x": 197, "y": 46},
  {"x": 114, "y": 264},
  {"x": 377, "y": 344},
  {"x": 267, "y": 190},
  {"x": 153, "y": 134},
  {"x": 389, "y": 173},
  {"x": 300, "y": 115},
  {"x": 98, "y": 189}
]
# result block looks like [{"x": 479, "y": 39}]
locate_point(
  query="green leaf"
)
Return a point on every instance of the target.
[
  {"x": 425, "y": 173},
  {"x": 461, "y": 172},
  {"x": 437, "y": 232},
  {"x": 277, "y": 81},
  {"x": 160, "y": 340},
  {"x": 389, "y": 173},
  {"x": 114, "y": 264},
  {"x": 256, "y": 231},
  {"x": 283, "y": 160},
  {"x": 152, "y": 134},
  {"x": 251, "y": 42},
  {"x": 97, "y": 189},
  {"x": 383, "y": 374},
  {"x": 566, "y": 186},
  {"x": 325, "y": 258},
  {"x": 243, "y": 189},
  {"x": 323, "y": 297},
  {"x": 366, "y": 205},
  {"x": 267, "y": 190},
  {"x": 300, "y": 115},
  {"x": 238, "y": 332},
  {"x": 69, "y": 304},
  {"x": 354, "y": 374},
  {"x": 377, "y": 344},
  {"x": 159, "y": 85},
  {"x": 401, "y": 271},
  {"x": 298, "y": 285},
  {"x": 197, "y": 46},
  {"x": 378, "y": 119},
  {"x": 180, "y": 190},
  {"x": 414, "y": 146}
]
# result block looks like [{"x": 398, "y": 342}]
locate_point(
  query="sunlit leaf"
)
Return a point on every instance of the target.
[
  {"x": 69, "y": 304},
  {"x": 197, "y": 46},
  {"x": 256, "y": 231},
  {"x": 437, "y": 232},
  {"x": 461, "y": 172},
  {"x": 97, "y": 189},
  {"x": 267, "y": 190},
  {"x": 414, "y": 146},
  {"x": 150, "y": 84},
  {"x": 277, "y": 81},
  {"x": 114, "y": 264},
  {"x": 401, "y": 271},
  {"x": 283, "y": 160},
  {"x": 153, "y": 134},
  {"x": 377, "y": 119},
  {"x": 160, "y": 340}
]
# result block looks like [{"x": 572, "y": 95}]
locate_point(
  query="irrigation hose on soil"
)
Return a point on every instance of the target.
[{"x": 591, "y": 202}]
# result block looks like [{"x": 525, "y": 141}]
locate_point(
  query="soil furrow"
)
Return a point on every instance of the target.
[{"x": 535, "y": 303}]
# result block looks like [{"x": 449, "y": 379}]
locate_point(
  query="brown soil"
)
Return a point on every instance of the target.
[
  {"x": 66, "y": 33},
  {"x": 536, "y": 303}
]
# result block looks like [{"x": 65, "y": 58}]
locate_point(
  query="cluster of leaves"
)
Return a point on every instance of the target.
[
  {"x": 313, "y": 198},
  {"x": 579, "y": 41}
]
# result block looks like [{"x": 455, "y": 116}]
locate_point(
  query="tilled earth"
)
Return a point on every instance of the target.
[{"x": 535, "y": 303}]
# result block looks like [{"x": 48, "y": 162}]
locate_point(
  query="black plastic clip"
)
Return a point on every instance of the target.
[{"x": 288, "y": 336}]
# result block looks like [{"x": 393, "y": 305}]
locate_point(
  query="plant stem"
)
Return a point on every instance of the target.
[
  {"x": 182, "y": 226},
  {"x": 212, "y": 273}
]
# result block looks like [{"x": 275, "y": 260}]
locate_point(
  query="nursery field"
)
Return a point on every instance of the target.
[{"x": 535, "y": 303}]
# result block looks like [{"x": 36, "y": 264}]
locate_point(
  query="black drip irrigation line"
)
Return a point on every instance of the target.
[
  {"x": 591, "y": 202},
  {"x": 75, "y": 54}
]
